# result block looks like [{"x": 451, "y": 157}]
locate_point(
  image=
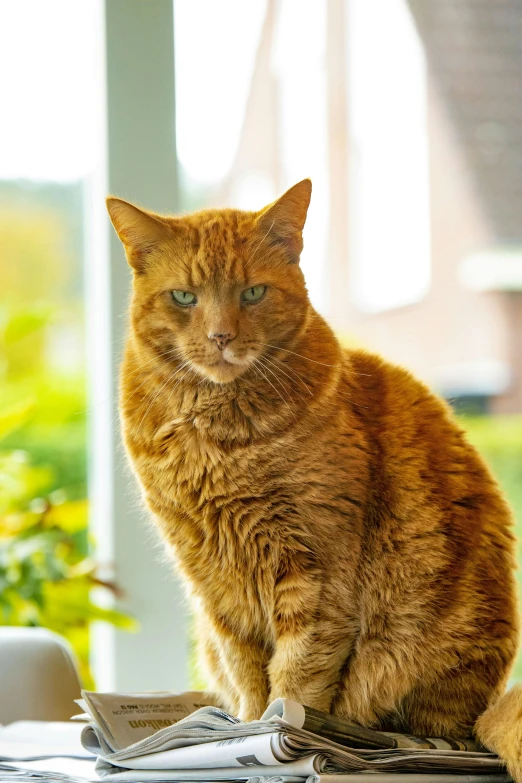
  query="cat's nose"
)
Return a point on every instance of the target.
[{"x": 221, "y": 339}]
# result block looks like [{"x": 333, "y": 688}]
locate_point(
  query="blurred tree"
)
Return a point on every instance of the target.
[
  {"x": 46, "y": 568},
  {"x": 33, "y": 240},
  {"x": 46, "y": 573}
]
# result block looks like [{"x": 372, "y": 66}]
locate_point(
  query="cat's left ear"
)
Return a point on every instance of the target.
[
  {"x": 283, "y": 221},
  {"x": 139, "y": 231}
]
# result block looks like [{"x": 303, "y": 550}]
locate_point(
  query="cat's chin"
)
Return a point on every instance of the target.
[{"x": 222, "y": 371}]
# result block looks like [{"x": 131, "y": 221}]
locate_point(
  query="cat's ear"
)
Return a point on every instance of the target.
[
  {"x": 139, "y": 231},
  {"x": 283, "y": 220}
]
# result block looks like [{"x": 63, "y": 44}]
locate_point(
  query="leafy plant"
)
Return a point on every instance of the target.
[{"x": 47, "y": 573}]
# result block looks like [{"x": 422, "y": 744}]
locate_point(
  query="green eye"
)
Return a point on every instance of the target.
[
  {"x": 184, "y": 298},
  {"x": 253, "y": 294}
]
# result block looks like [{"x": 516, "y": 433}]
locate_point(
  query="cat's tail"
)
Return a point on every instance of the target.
[{"x": 499, "y": 728}]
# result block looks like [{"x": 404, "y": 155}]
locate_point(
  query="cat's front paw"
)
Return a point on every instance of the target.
[
  {"x": 310, "y": 698},
  {"x": 251, "y": 709}
]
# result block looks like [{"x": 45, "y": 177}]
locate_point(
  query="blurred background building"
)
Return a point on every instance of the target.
[
  {"x": 413, "y": 115},
  {"x": 406, "y": 114}
]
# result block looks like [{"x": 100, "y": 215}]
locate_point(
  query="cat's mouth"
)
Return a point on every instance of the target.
[
  {"x": 228, "y": 357},
  {"x": 226, "y": 367}
]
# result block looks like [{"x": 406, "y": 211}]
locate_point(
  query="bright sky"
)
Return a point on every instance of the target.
[
  {"x": 48, "y": 93},
  {"x": 216, "y": 43},
  {"x": 46, "y": 90}
]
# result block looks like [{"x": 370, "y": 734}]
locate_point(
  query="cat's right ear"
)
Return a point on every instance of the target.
[
  {"x": 139, "y": 231},
  {"x": 284, "y": 219}
]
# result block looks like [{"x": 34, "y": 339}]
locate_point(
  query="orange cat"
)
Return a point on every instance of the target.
[{"x": 342, "y": 543}]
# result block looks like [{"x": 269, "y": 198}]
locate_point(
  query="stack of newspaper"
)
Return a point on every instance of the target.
[{"x": 164, "y": 737}]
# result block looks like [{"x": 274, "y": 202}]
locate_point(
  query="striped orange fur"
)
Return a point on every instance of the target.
[{"x": 342, "y": 543}]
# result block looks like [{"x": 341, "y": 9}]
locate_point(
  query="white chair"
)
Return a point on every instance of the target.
[{"x": 38, "y": 677}]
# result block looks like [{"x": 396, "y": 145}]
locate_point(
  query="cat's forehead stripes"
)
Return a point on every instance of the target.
[
  {"x": 212, "y": 242},
  {"x": 220, "y": 251}
]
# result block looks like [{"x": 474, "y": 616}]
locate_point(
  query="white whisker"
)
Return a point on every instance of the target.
[
  {"x": 267, "y": 379},
  {"x": 155, "y": 397},
  {"x": 279, "y": 381},
  {"x": 278, "y": 348},
  {"x": 274, "y": 359}
]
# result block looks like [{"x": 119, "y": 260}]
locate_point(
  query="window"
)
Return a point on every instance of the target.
[{"x": 389, "y": 221}]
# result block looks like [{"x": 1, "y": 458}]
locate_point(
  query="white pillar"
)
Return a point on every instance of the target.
[{"x": 138, "y": 130}]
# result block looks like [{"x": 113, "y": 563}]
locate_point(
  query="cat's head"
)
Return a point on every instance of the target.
[{"x": 216, "y": 288}]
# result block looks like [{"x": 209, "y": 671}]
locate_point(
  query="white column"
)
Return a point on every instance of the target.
[{"x": 137, "y": 129}]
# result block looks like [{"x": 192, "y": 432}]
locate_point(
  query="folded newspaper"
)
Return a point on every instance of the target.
[{"x": 161, "y": 737}]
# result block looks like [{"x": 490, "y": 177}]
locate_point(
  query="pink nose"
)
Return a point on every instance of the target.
[{"x": 221, "y": 339}]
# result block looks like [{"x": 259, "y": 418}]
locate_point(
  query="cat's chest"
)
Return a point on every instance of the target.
[
  {"x": 232, "y": 516},
  {"x": 220, "y": 511},
  {"x": 249, "y": 491},
  {"x": 229, "y": 504},
  {"x": 194, "y": 470}
]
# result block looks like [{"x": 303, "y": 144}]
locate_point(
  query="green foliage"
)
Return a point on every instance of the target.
[
  {"x": 34, "y": 238},
  {"x": 47, "y": 575}
]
